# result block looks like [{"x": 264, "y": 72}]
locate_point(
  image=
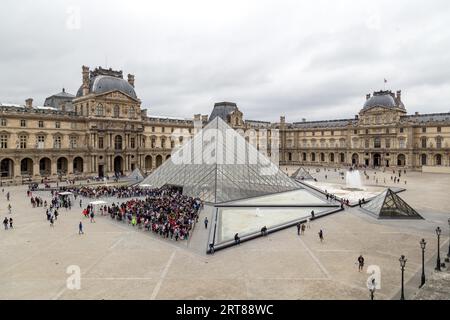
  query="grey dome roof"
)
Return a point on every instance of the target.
[
  {"x": 102, "y": 83},
  {"x": 382, "y": 99}
]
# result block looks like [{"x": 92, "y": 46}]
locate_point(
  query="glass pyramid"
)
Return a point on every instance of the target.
[
  {"x": 136, "y": 175},
  {"x": 219, "y": 165},
  {"x": 302, "y": 174},
  {"x": 389, "y": 205}
]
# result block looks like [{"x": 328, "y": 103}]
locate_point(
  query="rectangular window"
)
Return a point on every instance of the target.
[
  {"x": 163, "y": 129},
  {"x": 423, "y": 142},
  {"x": 438, "y": 129},
  {"x": 100, "y": 142},
  {"x": 424, "y": 129},
  {"x": 377, "y": 142},
  {"x": 57, "y": 125},
  {"x": 3, "y": 141},
  {"x": 401, "y": 130},
  {"x": 57, "y": 142},
  {"x": 402, "y": 143},
  {"x": 73, "y": 142},
  {"x": 388, "y": 143},
  {"x": 22, "y": 142},
  {"x": 3, "y": 122},
  {"x": 41, "y": 124},
  {"x": 132, "y": 143},
  {"x": 153, "y": 129},
  {"x": 23, "y": 123},
  {"x": 40, "y": 142}
]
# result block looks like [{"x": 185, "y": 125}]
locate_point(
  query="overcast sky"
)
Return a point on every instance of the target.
[{"x": 302, "y": 59}]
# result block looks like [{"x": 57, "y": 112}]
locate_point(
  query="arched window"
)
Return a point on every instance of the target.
[
  {"x": 424, "y": 159},
  {"x": 99, "y": 110},
  {"x": 116, "y": 113},
  {"x": 118, "y": 143},
  {"x": 438, "y": 160}
]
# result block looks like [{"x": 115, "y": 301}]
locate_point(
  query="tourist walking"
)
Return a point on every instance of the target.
[
  {"x": 5, "y": 223},
  {"x": 51, "y": 221},
  {"x": 321, "y": 235},
  {"x": 11, "y": 223},
  {"x": 206, "y": 222},
  {"x": 264, "y": 231},
  {"x": 237, "y": 240},
  {"x": 298, "y": 228},
  {"x": 9, "y": 208},
  {"x": 303, "y": 228},
  {"x": 92, "y": 216},
  {"x": 360, "y": 263},
  {"x": 80, "y": 228}
]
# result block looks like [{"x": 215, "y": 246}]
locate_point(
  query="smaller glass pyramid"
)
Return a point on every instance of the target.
[
  {"x": 389, "y": 205},
  {"x": 136, "y": 175},
  {"x": 302, "y": 174}
]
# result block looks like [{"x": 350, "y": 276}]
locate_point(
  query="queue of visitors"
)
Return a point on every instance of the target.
[{"x": 108, "y": 191}]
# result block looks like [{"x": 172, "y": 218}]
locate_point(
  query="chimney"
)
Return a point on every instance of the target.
[
  {"x": 29, "y": 103},
  {"x": 131, "y": 79},
  {"x": 399, "y": 95},
  {"x": 416, "y": 113},
  {"x": 85, "y": 79},
  {"x": 368, "y": 96},
  {"x": 282, "y": 119},
  {"x": 197, "y": 117},
  {"x": 204, "y": 118}
]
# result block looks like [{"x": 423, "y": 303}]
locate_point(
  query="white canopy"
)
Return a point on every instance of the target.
[
  {"x": 97, "y": 202},
  {"x": 65, "y": 193}
]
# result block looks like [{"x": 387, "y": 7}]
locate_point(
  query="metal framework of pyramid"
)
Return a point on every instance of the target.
[
  {"x": 302, "y": 174},
  {"x": 219, "y": 165},
  {"x": 388, "y": 205}
]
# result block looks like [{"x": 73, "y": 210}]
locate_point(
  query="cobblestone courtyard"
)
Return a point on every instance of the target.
[{"x": 118, "y": 261}]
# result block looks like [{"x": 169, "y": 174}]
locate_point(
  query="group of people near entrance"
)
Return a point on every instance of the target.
[
  {"x": 109, "y": 191},
  {"x": 164, "y": 211}
]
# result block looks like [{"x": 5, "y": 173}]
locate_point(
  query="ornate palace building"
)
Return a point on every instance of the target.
[{"x": 102, "y": 130}]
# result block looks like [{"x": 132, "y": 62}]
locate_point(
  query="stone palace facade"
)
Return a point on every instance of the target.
[{"x": 102, "y": 130}]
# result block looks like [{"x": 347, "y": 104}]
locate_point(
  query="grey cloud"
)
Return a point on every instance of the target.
[{"x": 313, "y": 60}]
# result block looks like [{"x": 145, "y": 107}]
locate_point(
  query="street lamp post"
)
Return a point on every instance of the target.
[
  {"x": 438, "y": 261},
  {"x": 448, "y": 254},
  {"x": 422, "y": 245},
  {"x": 402, "y": 265}
]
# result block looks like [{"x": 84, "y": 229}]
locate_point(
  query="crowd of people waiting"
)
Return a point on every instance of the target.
[{"x": 164, "y": 211}]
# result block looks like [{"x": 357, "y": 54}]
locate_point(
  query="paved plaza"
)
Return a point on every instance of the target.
[{"x": 118, "y": 261}]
